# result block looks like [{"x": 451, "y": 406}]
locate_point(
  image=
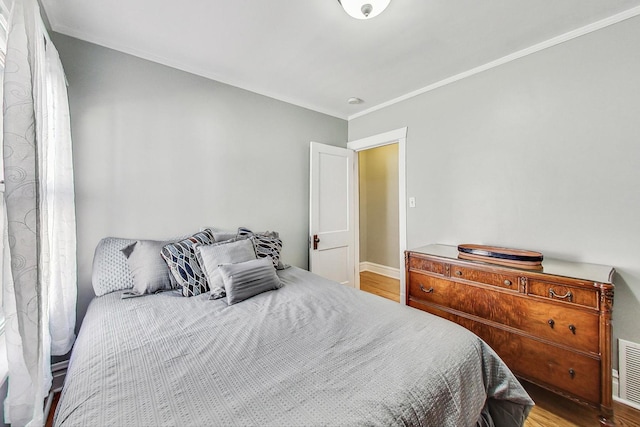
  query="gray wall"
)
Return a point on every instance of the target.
[
  {"x": 159, "y": 152},
  {"x": 379, "y": 216},
  {"x": 542, "y": 153}
]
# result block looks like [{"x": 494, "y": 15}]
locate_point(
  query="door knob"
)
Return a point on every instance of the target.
[{"x": 316, "y": 240}]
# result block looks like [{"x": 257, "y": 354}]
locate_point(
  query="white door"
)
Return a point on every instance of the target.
[{"x": 331, "y": 213}]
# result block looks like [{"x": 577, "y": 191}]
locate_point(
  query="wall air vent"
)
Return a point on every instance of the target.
[{"x": 629, "y": 354}]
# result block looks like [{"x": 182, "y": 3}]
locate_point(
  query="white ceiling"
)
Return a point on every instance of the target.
[{"x": 311, "y": 53}]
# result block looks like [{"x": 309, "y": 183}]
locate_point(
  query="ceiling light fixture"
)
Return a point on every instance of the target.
[
  {"x": 354, "y": 101},
  {"x": 364, "y": 9}
]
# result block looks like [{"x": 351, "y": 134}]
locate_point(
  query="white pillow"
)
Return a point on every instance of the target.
[{"x": 210, "y": 257}]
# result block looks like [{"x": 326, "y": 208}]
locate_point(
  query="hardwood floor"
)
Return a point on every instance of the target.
[
  {"x": 383, "y": 286},
  {"x": 52, "y": 410},
  {"x": 556, "y": 411}
]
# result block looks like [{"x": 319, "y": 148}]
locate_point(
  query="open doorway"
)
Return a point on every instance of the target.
[
  {"x": 379, "y": 225},
  {"x": 397, "y": 138}
]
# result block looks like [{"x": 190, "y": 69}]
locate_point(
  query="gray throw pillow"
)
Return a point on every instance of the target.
[
  {"x": 148, "y": 268},
  {"x": 211, "y": 256},
  {"x": 222, "y": 236},
  {"x": 247, "y": 279}
]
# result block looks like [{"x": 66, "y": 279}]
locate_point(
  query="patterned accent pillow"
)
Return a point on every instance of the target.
[
  {"x": 245, "y": 233},
  {"x": 266, "y": 244},
  {"x": 182, "y": 261}
]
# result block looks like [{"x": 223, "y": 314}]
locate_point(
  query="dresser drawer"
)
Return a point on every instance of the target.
[
  {"x": 569, "y": 326},
  {"x": 543, "y": 363},
  {"x": 575, "y": 328},
  {"x": 426, "y": 265},
  {"x": 574, "y": 373},
  {"x": 506, "y": 281},
  {"x": 436, "y": 291},
  {"x": 562, "y": 293}
]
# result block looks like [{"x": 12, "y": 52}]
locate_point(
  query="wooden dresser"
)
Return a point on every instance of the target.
[{"x": 552, "y": 326}]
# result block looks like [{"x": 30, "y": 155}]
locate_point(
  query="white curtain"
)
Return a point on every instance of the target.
[
  {"x": 60, "y": 205},
  {"x": 40, "y": 261}
]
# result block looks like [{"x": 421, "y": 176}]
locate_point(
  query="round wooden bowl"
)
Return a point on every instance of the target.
[{"x": 507, "y": 256}]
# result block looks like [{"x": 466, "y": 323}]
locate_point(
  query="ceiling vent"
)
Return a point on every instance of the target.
[{"x": 629, "y": 354}]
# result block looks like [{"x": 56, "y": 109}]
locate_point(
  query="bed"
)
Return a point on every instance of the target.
[{"x": 313, "y": 352}]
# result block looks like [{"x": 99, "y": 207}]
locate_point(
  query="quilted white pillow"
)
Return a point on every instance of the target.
[{"x": 110, "y": 269}]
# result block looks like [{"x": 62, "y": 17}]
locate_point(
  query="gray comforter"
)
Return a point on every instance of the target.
[{"x": 311, "y": 353}]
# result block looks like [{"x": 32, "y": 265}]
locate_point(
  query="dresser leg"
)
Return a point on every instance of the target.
[{"x": 607, "y": 421}]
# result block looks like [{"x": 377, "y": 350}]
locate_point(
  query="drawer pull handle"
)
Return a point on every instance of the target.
[
  {"x": 551, "y": 322},
  {"x": 572, "y": 373},
  {"x": 428, "y": 291},
  {"x": 507, "y": 282},
  {"x": 568, "y": 296},
  {"x": 572, "y": 329},
  {"x": 458, "y": 273}
]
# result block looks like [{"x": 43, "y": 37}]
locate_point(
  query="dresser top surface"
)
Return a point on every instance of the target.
[{"x": 555, "y": 267}]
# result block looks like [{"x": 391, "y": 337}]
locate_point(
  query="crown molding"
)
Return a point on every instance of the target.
[{"x": 614, "y": 19}]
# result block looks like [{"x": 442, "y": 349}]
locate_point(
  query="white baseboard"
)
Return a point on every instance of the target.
[
  {"x": 47, "y": 405},
  {"x": 383, "y": 270},
  {"x": 616, "y": 391},
  {"x": 58, "y": 372},
  {"x": 626, "y": 402}
]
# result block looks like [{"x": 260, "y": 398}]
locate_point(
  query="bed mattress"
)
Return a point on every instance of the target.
[{"x": 311, "y": 353}]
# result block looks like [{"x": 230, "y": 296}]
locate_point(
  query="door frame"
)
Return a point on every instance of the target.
[{"x": 398, "y": 136}]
